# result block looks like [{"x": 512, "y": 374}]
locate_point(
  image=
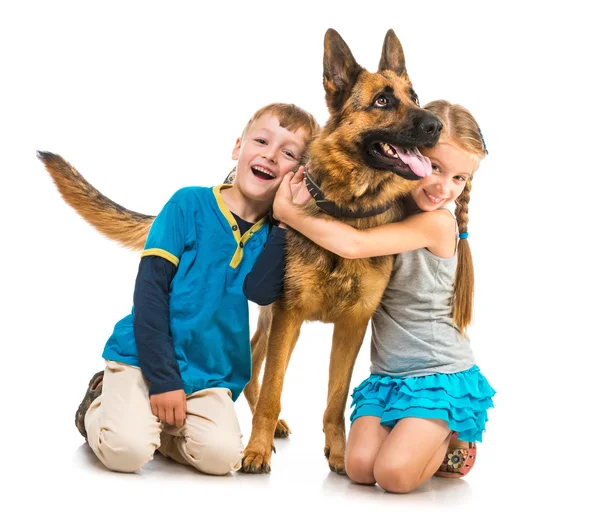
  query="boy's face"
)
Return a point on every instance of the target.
[{"x": 265, "y": 154}]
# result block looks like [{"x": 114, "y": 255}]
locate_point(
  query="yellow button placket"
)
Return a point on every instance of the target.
[{"x": 241, "y": 240}]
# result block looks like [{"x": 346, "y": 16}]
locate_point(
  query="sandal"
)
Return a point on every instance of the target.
[{"x": 458, "y": 460}]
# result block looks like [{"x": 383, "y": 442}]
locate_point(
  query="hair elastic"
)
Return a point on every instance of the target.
[
  {"x": 463, "y": 235},
  {"x": 483, "y": 141}
]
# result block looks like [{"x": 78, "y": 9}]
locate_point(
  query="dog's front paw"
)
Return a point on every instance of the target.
[
  {"x": 336, "y": 461},
  {"x": 256, "y": 462}
]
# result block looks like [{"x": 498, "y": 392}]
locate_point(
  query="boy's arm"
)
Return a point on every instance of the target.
[
  {"x": 264, "y": 284},
  {"x": 151, "y": 325},
  {"x": 154, "y": 342},
  {"x": 167, "y": 240}
]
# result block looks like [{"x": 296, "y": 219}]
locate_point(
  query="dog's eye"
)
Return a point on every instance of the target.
[
  {"x": 381, "y": 101},
  {"x": 414, "y": 97}
]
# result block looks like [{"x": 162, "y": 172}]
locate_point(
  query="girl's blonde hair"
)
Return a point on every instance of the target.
[{"x": 461, "y": 129}]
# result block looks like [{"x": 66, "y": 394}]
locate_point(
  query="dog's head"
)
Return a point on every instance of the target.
[{"x": 375, "y": 123}]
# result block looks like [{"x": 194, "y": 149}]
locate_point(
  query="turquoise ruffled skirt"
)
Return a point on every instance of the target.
[{"x": 461, "y": 399}]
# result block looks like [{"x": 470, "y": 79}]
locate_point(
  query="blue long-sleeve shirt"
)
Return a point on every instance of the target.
[{"x": 153, "y": 337}]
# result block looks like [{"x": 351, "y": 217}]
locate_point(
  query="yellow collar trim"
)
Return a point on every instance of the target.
[{"x": 235, "y": 230}]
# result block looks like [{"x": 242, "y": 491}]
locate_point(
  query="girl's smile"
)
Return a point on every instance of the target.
[
  {"x": 433, "y": 199},
  {"x": 451, "y": 168}
]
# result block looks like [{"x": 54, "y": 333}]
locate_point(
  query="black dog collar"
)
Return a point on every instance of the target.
[{"x": 332, "y": 208}]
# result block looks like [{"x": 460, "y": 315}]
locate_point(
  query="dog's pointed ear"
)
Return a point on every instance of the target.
[
  {"x": 340, "y": 70},
  {"x": 392, "y": 55}
]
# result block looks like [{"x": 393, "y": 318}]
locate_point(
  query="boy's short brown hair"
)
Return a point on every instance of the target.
[{"x": 290, "y": 116}]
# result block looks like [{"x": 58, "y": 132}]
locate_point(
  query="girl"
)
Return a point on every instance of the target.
[{"x": 424, "y": 405}]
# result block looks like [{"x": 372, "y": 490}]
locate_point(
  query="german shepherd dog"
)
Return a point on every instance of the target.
[{"x": 358, "y": 167}]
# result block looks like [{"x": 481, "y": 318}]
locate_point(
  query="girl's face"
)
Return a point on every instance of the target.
[{"x": 451, "y": 167}]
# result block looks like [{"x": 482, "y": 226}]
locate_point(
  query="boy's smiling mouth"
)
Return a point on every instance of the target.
[{"x": 263, "y": 173}]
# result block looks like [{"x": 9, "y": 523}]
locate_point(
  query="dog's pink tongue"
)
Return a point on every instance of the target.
[{"x": 418, "y": 163}]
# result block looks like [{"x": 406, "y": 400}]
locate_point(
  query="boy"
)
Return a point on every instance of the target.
[{"x": 177, "y": 363}]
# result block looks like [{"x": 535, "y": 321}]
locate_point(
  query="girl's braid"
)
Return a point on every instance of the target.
[{"x": 462, "y": 208}]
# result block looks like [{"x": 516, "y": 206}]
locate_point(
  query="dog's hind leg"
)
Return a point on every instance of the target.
[
  {"x": 347, "y": 339},
  {"x": 259, "y": 344},
  {"x": 285, "y": 330}
]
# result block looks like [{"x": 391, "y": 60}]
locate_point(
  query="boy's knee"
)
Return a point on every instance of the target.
[
  {"x": 215, "y": 453},
  {"x": 125, "y": 454},
  {"x": 396, "y": 478},
  {"x": 359, "y": 467}
]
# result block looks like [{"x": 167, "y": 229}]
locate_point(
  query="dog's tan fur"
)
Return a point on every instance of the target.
[{"x": 348, "y": 290}]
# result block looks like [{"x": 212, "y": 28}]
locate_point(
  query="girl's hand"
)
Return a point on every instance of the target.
[
  {"x": 291, "y": 193},
  {"x": 300, "y": 193}
]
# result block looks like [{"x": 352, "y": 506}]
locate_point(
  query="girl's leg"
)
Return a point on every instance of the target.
[
  {"x": 411, "y": 454},
  {"x": 364, "y": 441}
]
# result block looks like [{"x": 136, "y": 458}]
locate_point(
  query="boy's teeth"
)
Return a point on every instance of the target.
[{"x": 263, "y": 170}]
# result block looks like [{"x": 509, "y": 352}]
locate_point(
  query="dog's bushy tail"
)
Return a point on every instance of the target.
[{"x": 128, "y": 228}]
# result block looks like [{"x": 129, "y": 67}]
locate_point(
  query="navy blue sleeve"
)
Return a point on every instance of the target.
[
  {"x": 151, "y": 325},
  {"x": 264, "y": 284}
]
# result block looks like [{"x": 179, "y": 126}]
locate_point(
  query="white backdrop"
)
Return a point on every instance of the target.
[{"x": 145, "y": 98}]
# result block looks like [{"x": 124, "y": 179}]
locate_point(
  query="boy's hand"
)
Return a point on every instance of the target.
[{"x": 169, "y": 407}]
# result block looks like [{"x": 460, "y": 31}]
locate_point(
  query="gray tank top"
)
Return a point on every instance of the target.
[{"x": 412, "y": 330}]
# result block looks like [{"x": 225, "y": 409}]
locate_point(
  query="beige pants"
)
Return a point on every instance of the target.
[{"x": 124, "y": 433}]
